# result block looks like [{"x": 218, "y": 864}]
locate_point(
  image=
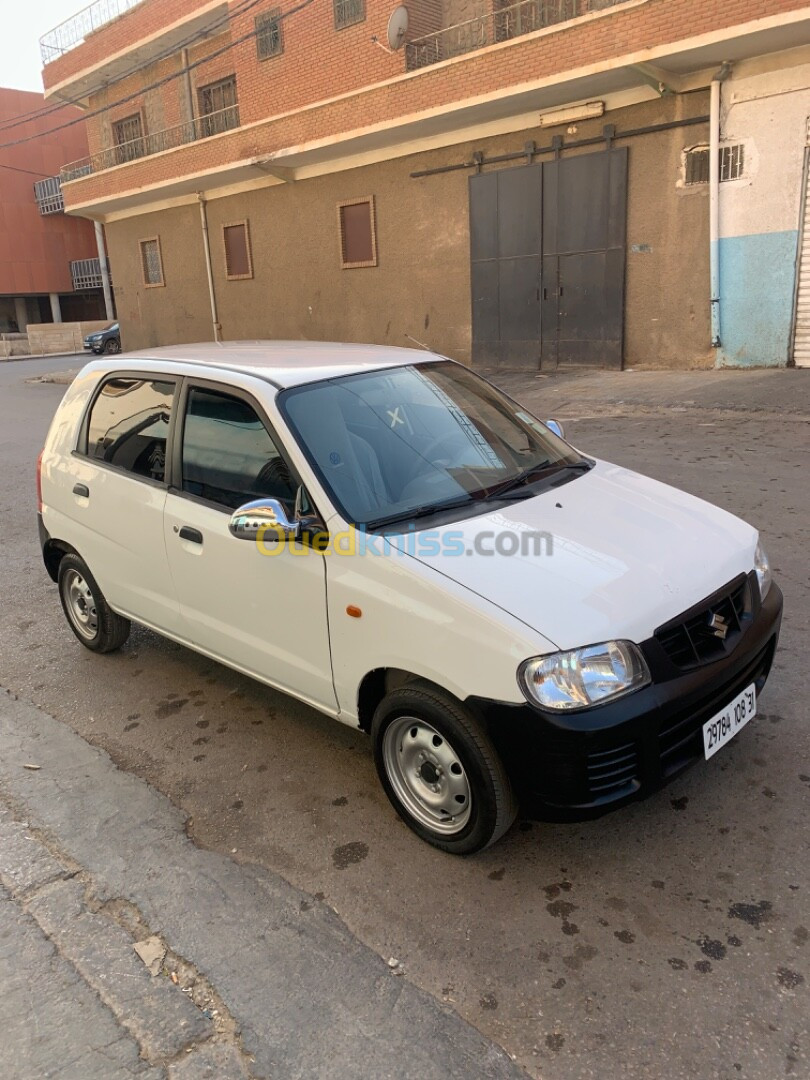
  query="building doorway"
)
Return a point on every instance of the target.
[{"x": 547, "y": 249}]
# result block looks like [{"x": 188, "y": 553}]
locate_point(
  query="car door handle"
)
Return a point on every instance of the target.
[
  {"x": 81, "y": 489},
  {"x": 194, "y": 536}
]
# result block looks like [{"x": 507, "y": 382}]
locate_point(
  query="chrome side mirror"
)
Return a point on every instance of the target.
[
  {"x": 266, "y": 514},
  {"x": 556, "y": 427}
]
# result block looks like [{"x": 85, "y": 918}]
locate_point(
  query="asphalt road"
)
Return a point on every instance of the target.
[{"x": 667, "y": 940}]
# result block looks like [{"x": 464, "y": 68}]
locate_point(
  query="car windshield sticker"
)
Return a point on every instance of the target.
[{"x": 396, "y": 419}]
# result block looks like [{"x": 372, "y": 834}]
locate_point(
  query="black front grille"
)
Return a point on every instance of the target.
[
  {"x": 680, "y": 737},
  {"x": 692, "y": 639},
  {"x": 612, "y": 771}
]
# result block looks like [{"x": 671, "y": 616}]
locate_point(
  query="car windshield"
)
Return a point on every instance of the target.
[{"x": 404, "y": 442}]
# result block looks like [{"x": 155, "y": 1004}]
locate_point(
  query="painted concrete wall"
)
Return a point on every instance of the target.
[
  {"x": 421, "y": 285},
  {"x": 766, "y": 111},
  {"x": 36, "y": 251}
]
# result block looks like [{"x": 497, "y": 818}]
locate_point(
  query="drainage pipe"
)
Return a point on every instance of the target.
[
  {"x": 714, "y": 199},
  {"x": 104, "y": 266},
  {"x": 209, "y": 268}
]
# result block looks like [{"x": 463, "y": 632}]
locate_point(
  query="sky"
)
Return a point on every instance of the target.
[{"x": 20, "y": 64}]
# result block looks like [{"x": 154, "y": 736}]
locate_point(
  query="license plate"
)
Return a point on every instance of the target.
[{"x": 724, "y": 725}]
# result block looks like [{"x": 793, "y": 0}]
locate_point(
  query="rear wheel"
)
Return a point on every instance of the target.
[
  {"x": 89, "y": 615},
  {"x": 441, "y": 771}
]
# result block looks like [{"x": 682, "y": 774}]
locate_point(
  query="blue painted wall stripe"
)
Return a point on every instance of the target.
[{"x": 757, "y": 282}]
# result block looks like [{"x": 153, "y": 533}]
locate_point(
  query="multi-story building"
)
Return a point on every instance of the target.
[
  {"x": 521, "y": 184},
  {"x": 49, "y": 266}
]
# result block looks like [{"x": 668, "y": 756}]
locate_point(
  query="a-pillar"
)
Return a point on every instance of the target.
[{"x": 56, "y": 307}]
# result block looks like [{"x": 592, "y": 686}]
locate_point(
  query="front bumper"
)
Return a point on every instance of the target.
[{"x": 578, "y": 766}]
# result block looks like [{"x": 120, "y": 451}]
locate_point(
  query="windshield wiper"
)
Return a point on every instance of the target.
[
  {"x": 515, "y": 488},
  {"x": 419, "y": 511}
]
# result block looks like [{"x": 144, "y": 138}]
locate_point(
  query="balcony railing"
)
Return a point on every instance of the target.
[
  {"x": 48, "y": 194},
  {"x": 502, "y": 24},
  {"x": 74, "y": 30},
  {"x": 86, "y": 274},
  {"x": 201, "y": 127}
]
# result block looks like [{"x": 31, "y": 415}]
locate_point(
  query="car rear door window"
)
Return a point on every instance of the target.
[
  {"x": 229, "y": 456},
  {"x": 129, "y": 424}
]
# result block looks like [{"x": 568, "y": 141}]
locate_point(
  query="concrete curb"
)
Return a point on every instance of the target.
[{"x": 310, "y": 999}]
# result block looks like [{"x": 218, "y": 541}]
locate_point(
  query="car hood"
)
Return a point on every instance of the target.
[{"x": 626, "y": 554}]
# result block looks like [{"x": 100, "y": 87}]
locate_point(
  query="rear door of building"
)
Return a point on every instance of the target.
[{"x": 547, "y": 263}]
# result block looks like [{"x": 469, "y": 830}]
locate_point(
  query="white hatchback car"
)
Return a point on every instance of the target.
[{"x": 386, "y": 536}]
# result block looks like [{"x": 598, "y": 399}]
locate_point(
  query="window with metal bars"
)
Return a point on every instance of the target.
[
  {"x": 219, "y": 107},
  {"x": 349, "y": 12},
  {"x": 128, "y": 138},
  {"x": 358, "y": 235},
  {"x": 238, "y": 256},
  {"x": 269, "y": 40},
  {"x": 48, "y": 194},
  {"x": 732, "y": 161},
  {"x": 151, "y": 262},
  {"x": 697, "y": 163}
]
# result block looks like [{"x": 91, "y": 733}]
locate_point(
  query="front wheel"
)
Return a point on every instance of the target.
[
  {"x": 441, "y": 771},
  {"x": 89, "y": 616},
  {"x": 112, "y": 346}
]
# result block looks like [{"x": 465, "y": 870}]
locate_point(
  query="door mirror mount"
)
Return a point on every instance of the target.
[{"x": 262, "y": 514}]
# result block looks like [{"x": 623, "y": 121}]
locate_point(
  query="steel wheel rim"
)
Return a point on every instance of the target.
[
  {"x": 427, "y": 775},
  {"x": 80, "y": 604}
]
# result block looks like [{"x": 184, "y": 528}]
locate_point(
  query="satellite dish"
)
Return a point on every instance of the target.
[{"x": 397, "y": 27}]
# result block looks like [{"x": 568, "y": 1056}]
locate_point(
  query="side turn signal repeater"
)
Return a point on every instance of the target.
[{"x": 354, "y": 611}]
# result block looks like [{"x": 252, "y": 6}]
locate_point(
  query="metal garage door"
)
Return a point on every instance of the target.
[
  {"x": 547, "y": 250},
  {"x": 801, "y": 334}
]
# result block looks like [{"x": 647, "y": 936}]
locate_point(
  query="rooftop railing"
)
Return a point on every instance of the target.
[
  {"x": 502, "y": 24},
  {"x": 73, "y": 31},
  {"x": 201, "y": 127}
]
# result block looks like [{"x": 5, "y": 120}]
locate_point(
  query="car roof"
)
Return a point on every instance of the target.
[{"x": 285, "y": 363}]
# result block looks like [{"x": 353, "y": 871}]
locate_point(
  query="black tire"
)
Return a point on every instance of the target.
[
  {"x": 112, "y": 346},
  {"x": 492, "y": 807},
  {"x": 88, "y": 614}
]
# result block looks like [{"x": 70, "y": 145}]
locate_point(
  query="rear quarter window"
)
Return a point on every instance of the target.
[{"x": 129, "y": 423}]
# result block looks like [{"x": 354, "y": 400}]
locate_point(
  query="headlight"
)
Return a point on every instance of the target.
[
  {"x": 582, "y": 677},
  {"x": 763, "y": 569}
]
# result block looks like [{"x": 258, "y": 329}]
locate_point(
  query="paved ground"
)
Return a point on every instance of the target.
[{"x": 667, "y": 940}]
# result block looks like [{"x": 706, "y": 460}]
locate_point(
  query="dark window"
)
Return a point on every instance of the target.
[
  {"x": 697, "y": 166},
  {"x": 151, "y": 262},
  {"x": 349, "y": 12},
  {"x": 219, "y": 107},
  {"x": 128, "y": 138},
  {"x": 358, "y": 242},
  {"x": 128, "y": 425},
  {"x": 269, "y": 41},
  {"x": 228, "y": 455},
  {"x": 238, "y": 260}
]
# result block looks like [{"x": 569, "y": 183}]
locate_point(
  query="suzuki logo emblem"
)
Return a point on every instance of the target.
[{"x": 719, "y": 625}]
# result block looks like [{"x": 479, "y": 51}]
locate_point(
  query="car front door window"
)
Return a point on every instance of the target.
[{"x": 228, "y": 455}]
